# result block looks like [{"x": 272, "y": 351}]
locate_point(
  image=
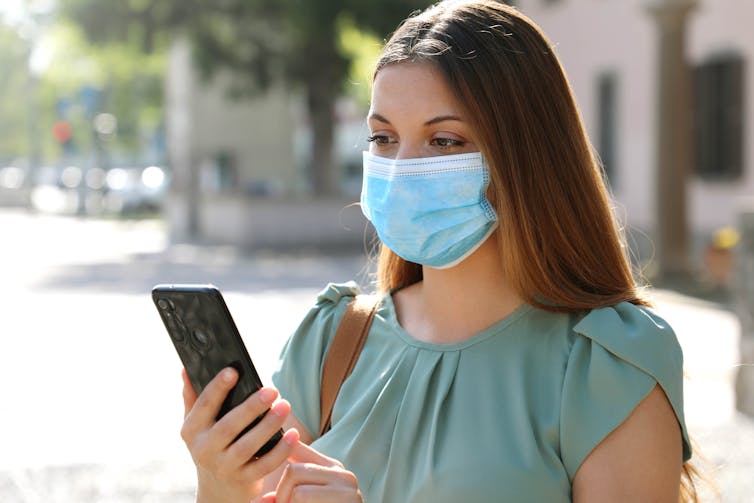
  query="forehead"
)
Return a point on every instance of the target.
[{"x": 416, "y": 87}]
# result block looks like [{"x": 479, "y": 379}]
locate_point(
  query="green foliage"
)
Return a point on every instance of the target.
[
  {"x": 14, "y": 81},
  {"x": 312, "y": 45},
  {"x": 65, "y": 62},
  {"x": 261, "y": 40},
  {"x": 363, "y": 50}
]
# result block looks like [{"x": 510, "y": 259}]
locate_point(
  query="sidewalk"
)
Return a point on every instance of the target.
[
  {"x": 709, "y": 336},
  {"x": 91, "y": 384}
]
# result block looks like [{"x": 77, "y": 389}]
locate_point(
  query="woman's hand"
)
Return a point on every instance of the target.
[
  {"x": 226, "y": 470},
  {"x": 314, "y": 478}
]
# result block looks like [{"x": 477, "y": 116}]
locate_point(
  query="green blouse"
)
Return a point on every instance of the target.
[{"x": 507, "y": 415}]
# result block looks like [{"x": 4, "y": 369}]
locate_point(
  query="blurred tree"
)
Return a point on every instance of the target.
[
  {"x": 41, "y": 82},
  {"x": 81, "y": 80},
  {"x": 261, "y": 42},
  {"x": 14, "y": 90},
  {"x": 363, "y": 50}
]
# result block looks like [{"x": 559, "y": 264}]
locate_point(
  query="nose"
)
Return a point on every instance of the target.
[{"x": 409, "y": 152}]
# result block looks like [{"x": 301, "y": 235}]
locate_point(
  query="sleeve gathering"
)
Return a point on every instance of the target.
[
  {"x": 299, "y": 371},
  {"x": 618, "y": 356}
]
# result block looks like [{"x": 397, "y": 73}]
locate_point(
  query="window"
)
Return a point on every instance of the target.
[
  {"x": 607, "y": 104},
  {"x": 719, "y": 118},
  {"x": 219, "y": 173}
]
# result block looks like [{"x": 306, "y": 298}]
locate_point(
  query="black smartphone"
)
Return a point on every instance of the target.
[{"x": 207, "y": 340}]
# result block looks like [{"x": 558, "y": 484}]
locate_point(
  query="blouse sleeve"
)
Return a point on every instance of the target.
[
  {"x": 619, "y": 354},
  {"x": 299, "y": 370}
]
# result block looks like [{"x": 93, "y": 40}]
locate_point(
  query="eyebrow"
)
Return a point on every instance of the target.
[{"x": 435, "y": 120}]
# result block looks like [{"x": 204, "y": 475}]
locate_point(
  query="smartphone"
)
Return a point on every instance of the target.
[{"x": 207, "y": 340}]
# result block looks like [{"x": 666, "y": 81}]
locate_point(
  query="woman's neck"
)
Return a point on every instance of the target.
[{"x": 451, "y": 305}]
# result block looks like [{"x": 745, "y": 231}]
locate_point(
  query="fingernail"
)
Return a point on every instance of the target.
[
  {"x": 267, "y": 395},
  {"x": 291, "y": 437},
  {"x": 280, "y": 409},
  {"x": 229, "y": 375}
]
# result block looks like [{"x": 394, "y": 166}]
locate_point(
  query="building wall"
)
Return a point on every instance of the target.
[
  {"x": 620, "y": 36},
  {"x": 256, "y": 134},
  {"x": 246, "y": 162},
  {"x": 718, "y": 27},
  {"x": 236, "y": 145}
]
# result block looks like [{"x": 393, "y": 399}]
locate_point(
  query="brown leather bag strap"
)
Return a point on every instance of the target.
[{"x": 344, "y": 352}]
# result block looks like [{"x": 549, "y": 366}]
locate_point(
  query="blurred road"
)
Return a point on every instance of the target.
[{"x": 90, "y": 383}]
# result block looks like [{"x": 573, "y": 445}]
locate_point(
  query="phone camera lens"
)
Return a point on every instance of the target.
[
  {"x": 166, "y": 305},
  {"x": 177, "y": 327},
  {"x": 200, "y": 338}
]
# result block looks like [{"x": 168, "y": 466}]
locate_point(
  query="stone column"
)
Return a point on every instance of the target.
[
  {"x": 745, "y": 308},
  {"x": 183, "y": 203},
  {"x": 674, "y": 141}
]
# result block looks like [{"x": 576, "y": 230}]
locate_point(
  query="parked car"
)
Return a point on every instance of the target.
[
  {"x": 13, "y": 183},
  {"x": 119, "y": 190},
  {"x": 135, "y": 189}
]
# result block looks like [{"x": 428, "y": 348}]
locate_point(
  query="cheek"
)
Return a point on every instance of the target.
[{"x": 492, "y": 197}]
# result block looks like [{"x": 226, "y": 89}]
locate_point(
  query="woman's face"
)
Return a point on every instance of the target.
[{"x": 414, "y": 114}]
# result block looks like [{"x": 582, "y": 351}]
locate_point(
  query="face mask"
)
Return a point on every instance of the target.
[{"x": 432, "y": 211}]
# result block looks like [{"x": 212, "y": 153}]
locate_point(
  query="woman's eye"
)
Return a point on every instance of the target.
[
  {"x": 447, "y": 142},
  {"x": 379, "y": 139}
]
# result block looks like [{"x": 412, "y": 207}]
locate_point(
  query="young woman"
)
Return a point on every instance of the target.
[{"x": 512, "y": 357}]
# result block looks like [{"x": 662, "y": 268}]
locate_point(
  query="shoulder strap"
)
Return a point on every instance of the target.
[{"x": 344, "y": 352}]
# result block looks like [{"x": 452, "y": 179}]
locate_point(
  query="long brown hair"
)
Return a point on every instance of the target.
[{"x": 560, "y": 246}]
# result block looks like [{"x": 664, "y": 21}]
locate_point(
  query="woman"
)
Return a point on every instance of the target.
[{"x": 512, "y": 357}]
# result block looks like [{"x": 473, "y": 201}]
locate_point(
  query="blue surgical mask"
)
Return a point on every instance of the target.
[{"x": 432, "y": 211}]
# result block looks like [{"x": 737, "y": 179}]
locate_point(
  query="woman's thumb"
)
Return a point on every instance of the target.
[{"x": 302, "y": 453}]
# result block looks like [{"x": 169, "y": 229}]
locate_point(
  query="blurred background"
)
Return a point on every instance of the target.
[{"x": 146, "y": 141}]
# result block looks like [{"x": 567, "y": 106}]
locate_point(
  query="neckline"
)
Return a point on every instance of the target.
[{"x": 485, "y": 334}]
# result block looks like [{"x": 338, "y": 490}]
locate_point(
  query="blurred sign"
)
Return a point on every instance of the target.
[{"x": 62, "y": 131}]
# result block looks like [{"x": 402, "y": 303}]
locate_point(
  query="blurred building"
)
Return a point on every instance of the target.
[
  {"x": 238, "y": 176},
  {"x": 237, "y": 167},
  {"x": 609, "y": 49}
]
